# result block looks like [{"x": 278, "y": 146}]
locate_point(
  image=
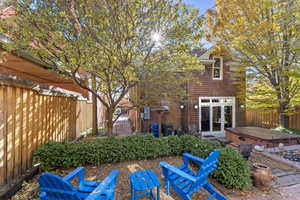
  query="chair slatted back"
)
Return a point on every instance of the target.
[
  {"x": 56, "y": 188},
  {"x": 209, "y": 165}
]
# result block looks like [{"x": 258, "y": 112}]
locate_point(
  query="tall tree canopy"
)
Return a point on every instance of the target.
[
  {"x": 110, "y": 46},
  {"x": 263, "y": 36}
]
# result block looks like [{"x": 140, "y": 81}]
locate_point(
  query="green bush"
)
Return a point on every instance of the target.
[{"x": 233, "y": 171}]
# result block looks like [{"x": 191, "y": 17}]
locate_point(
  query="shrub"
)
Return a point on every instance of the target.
[{"x": 233, "y": 171}]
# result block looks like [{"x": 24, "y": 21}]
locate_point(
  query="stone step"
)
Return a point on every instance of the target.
[
  {"x": 279, "y": 172},
  {"x": 287, "y": 180}
]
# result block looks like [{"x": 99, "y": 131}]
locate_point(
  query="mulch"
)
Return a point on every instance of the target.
[{"x": 29, "y": 189}]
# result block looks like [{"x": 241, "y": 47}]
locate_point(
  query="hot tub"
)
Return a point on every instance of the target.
[{"x": 261, "y": 136}]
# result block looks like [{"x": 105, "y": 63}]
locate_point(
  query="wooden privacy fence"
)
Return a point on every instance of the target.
[
  {"x": 84, "y": 119},
  {"x": 28, "y": 119},
  {"x": 270, "y": 119}
]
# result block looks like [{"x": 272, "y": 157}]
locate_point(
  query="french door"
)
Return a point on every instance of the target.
[{"x": 216, "y": 114}]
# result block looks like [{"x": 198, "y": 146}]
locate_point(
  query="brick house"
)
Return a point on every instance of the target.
[{"x": 212, "y": 106}]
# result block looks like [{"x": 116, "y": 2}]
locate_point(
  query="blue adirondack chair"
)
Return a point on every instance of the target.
[
  {"x": 185, "y": 182},
  {"x": 54, "y": 187}
]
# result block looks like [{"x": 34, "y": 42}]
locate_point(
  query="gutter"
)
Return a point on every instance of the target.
[
  {"x": 4, "y": 40},
  {"x": 10, "y": 80}
]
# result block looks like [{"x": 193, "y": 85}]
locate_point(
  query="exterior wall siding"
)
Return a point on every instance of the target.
[
  {"x": 172, "y": 116},
  {"x": 213, "y": 88},
  {"x": 207, "y": 87}
]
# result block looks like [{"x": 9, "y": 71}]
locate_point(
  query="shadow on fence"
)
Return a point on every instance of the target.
[{"x": 28, "y": 119}]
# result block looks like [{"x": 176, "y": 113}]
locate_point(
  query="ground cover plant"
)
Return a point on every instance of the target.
[
  {"x": 233, "y": 171},
  {"x": 288, "y": 130}
]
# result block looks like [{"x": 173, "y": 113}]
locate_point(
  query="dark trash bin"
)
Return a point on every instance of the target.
[
  {"x": 245, "y": 149},
  {"x": 167, "y": 129},
  {"x": 178, "y": 132}
]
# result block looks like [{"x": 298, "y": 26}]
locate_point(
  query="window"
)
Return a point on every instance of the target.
[
  {"x": 217, "y": 69},
  {"x": 228, "y": 100},
  {"x": 205, "y": 100}
]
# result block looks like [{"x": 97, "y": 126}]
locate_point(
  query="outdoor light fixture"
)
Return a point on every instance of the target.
[
  {"x": 242, "y": 106},
  {"x": 181, "y": 106},
  {"x": 196, "y": 106}
]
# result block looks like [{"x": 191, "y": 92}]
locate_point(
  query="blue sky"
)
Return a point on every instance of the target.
[{"x": 203, "y": 5}]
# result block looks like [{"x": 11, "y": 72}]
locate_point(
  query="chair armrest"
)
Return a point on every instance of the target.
[
  {"x": 78, "y": 172},
  {"x": 177, "y": 171},
  {"x": 191, "y": 157},
  {"x": 104, "y": 187}
]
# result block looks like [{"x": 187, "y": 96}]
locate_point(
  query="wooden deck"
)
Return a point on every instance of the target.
[
  {"x": 261, "y": 136},
  {"x": 262, "y": 133}
]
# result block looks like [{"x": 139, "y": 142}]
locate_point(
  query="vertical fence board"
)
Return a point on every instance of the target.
[
  {"x": 51, "y": 118},
  {"x": 60, "y": 104},
  {"x": 24, "y": 130},
  {"x": 18, "y": 133},
  {"x": 10, "y": 133},
  {"x": 3, "y": 136},
  {"x": 43, "y": 117},
  {"x": 56, "y": 119},
  {"x": 48, "y": 117},
  {"x": 39, "y": 119},
  {"x": 30, "y": 125}
]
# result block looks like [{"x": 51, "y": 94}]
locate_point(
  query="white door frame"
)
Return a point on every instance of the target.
[{"x": 219, "y": 101}]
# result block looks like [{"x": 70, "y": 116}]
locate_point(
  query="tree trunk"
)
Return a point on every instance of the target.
[
  {"x": 283, "y": 117},
  {"x": 95, "y": 116},
  {"x": 109, "y": 122},
  {"x": 95, "y": 111}
]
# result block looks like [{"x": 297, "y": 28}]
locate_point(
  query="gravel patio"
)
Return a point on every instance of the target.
[{"x": 29, "y": 190}]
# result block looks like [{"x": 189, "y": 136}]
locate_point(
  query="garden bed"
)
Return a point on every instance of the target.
[
  {"x": 233, "y": 171},
  {"x": 292, "y": 155},
  {"x": 98, "y": 173},
  {"x": 288, "y": 155},
  {"x": 29, "y": 190}
]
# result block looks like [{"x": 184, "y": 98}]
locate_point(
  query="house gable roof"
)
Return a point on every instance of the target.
[{"x": 204, "y": 55}]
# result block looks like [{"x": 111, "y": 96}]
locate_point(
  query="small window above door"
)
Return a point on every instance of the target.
[
  {"x": 217, "y": 68},
  {"x": 205, "y": 100},
  {"x": 215, "y": 100}
]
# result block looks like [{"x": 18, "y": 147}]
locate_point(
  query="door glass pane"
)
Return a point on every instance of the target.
[
  {"x": 205, "y": 126},
  {"x": 217, "y": 118},
  {"x": 228, "y": 116}
]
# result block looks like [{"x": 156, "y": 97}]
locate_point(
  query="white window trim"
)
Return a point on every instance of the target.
[
  {"x": 221, "y": 68},
  {"x": 211, "y": 105}
]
